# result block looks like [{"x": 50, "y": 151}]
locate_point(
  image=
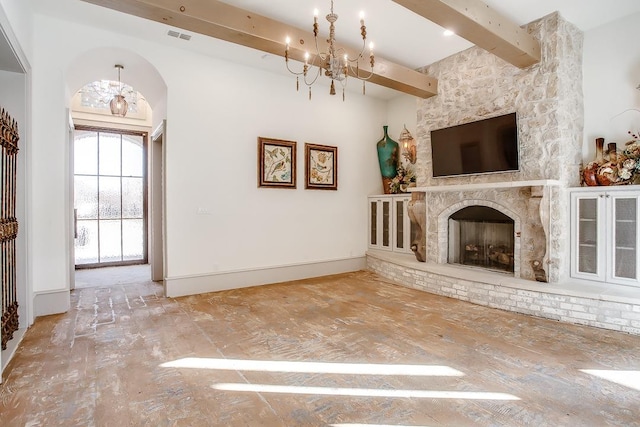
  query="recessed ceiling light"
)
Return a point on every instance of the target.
[{"x": 448, "y": 33}]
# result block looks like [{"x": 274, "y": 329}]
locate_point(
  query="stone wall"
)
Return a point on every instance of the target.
[{"x": 547, "y": 98}]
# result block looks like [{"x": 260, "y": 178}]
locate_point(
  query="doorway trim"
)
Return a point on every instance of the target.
[{"x": 156, "y": 207}]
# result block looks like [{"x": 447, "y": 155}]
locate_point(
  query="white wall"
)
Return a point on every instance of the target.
[
  {"x": 215, "y": 112},
  {"x": 611, "y": 73},
  {"x": 402, "y": 111},
  {"x": 18, "y": 14}
]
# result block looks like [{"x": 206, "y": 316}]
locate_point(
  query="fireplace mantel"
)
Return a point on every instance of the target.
[{"x": 486, "y": 186}]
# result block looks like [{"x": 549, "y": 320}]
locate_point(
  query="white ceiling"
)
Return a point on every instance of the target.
[{"x": 399, "y": 35}]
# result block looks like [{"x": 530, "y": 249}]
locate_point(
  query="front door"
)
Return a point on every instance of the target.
[{"x": 110, "y": 197}]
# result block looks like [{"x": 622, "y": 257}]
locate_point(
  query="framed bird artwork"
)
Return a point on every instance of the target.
[
  {"x": 276, "y": 163},
  {"x": 321, "y": 164}
]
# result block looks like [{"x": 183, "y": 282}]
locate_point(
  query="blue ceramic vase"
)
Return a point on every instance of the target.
[{"x": 388, "y": 152}]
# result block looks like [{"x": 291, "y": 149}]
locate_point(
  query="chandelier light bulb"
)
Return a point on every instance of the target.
[
  {"x": 371, "y": 48},
  {"x": 361, "y": 17}
]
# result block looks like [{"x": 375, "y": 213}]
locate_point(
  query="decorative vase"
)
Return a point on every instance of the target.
[
  {"x": 590, "y": 172},
  {"x": 608, "y": 171},
  {"x": 388, "y": 151}
]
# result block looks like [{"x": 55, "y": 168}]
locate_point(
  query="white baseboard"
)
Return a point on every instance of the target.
[
  {"x": 53, "y": 302},
  {"x": 200, "y": 284}
]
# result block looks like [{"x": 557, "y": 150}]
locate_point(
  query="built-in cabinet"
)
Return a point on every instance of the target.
[
  {"x": 389, "y": 224},
  {"x": 604, "y": 234}
]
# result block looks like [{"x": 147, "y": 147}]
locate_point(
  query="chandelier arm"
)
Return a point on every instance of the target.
[
  {"x": 355, "y": 72},
  {"x": 295, "y": 73},
  {"x": 314, "y": 79}
]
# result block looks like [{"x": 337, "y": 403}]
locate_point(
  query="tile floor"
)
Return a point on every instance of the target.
[{"x": 347, "y": 350}]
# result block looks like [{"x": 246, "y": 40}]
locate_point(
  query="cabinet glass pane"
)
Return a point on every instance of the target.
[
  {"x": 587, "y": 259},
  {"x": 386, "y": 225},
  {"x": 588, "y": 209},
  {"x": 587, "y": 236},
  {"x": 399, "y": 224},
  {"x": 373, "y": 208},
  {"x": 625, "y": 237}
]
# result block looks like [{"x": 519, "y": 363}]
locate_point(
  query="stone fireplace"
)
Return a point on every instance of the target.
[{"x": 547, "y": 98}]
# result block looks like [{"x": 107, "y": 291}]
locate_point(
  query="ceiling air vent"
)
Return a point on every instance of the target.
[{"x": 178, "y": 35}]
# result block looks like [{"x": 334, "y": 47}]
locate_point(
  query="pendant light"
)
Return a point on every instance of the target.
[{"x": 119, "y": 106}]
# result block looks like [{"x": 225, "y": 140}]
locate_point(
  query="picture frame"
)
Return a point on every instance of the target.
[
  {"x": 321, "y": 166},
  {"x": 276, "y": 163}
]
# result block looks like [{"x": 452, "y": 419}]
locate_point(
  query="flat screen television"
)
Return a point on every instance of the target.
[{"x": 484, "y": 146}]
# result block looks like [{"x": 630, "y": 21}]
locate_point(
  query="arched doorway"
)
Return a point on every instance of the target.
[{"x": 116, "y": 229}]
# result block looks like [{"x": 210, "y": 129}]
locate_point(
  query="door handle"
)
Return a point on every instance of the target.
[{"x": 75, "y": 223}]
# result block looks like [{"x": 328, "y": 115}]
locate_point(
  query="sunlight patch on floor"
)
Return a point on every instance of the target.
[
  {"x": 313, "y": 367},
  {"x": 363, "y": 392},
  {"x": 371, "y": 425},
  {"x": 629, "y": 379}
]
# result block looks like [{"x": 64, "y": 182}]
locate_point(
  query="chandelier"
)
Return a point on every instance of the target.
[
  {"x": 119, "y": 106},
  {"x": 335, "y": 62}
]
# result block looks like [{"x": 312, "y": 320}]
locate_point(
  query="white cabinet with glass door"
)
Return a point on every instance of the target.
[
  {"x": 389, "y": 224},
  {"x": 604, "y": 234}
]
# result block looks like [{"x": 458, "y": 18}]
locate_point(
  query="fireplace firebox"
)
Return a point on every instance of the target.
[{"x": 483, "y": 237}]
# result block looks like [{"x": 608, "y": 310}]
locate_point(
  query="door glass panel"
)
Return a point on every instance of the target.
[
  {"x": 85, "y": 153},
  {"x": 86, "y": 244},
  {"x": 625, "y": 237},
  {"x": 132, "y": 239},
  {"x": 132, "y": 156},
  {"x": 109, "y": 154},
  {"x": 587, "y": 236},
  {"x": 132, "y": 197},
  {"x": 110, "y": 208},
  {"x": 109, "y": 194},
  {"x": 86, "y": 196},
  {"x": 110, "y": 240}
]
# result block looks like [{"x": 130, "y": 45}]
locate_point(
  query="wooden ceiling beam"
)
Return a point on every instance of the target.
[
  {"x": 235, "y": 25},
  {"x": 482, "y": 26}
]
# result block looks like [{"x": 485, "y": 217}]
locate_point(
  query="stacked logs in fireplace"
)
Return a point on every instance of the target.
[
  {"x": 8, "y": 225},
  {"x": 489, "y": 256}
]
